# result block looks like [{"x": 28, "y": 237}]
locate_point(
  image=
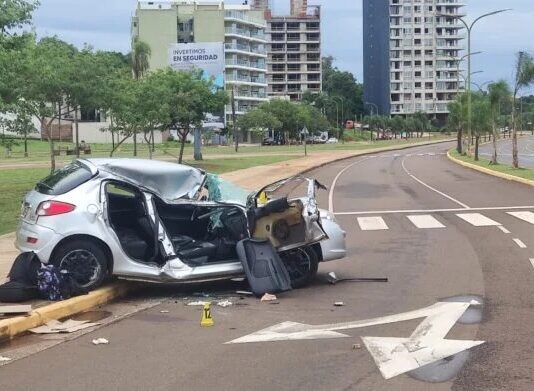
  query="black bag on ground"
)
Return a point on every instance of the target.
[
  {"x": 16, "y": 292},
  {"x": 266, "y": 273},
  {"x": 25, "y": 268}
]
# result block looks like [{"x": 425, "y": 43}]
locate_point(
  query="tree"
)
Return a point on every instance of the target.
[
  {"x": 20, "y": 123},
  {"x": 188, "y": 96},
  {"x": 481, "y": 119},
  {"x": 258, "y": 121},
  {"x": 15, "y": 14},
  {"x": 397, "y": 125},
  {"x": 524, "y": 77},
  {"x": 140, "y": 57},
  {"x": 41, "y": 83},
  {"x": 499, "y": 93}
]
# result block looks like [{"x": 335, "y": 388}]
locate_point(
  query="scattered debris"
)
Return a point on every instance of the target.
[
  {"x": 246, "y": 293},
  {"x": 100, "y": 341},
  {"x": 164, "y": 312},
  {"x": 198, "y": 303},
  {"x": 356, "y": 346},
  {"x": 68, "y": 326},
  {"x": 269, "y": 297},
  {"x": 4, "y": 359},
  {"x": 332, "y": 279},
  {"x": 15, "y": 309},
  {"x": 206, "y": 319},
  {"x": 339, "y": 304},
  {"x": 224, "y": 303}
]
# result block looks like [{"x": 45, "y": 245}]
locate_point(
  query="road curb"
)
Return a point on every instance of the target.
[
  {"x": 378, "y": 150},
  {"x": 488, "y": 171},
  {"x": 11, "y": 327}
]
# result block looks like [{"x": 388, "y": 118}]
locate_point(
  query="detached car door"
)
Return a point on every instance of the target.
[{"x": 286, "y": 213}]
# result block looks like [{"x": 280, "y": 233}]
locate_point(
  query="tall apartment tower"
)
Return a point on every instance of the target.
[
  {"x": 239, "y": 27},
  {"x": 294, "y": 53},
  {"x": 411, "y": 53}
]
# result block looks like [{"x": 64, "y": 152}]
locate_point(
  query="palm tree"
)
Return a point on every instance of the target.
[
  {"x": 524, "y": 77},
  {"x": 140, "y": 56},
  {"x": 499, "y": 92}
]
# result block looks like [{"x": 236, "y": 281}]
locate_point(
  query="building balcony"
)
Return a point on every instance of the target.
[
  {"x": 246, "y": 80},
  {"x": 245, "y": 34},
  {"x": 240, "y": 17},
  {"x": 245, "y": 64},
  {"x": 253, "y": 96},
  {"x": 245, "y": 49}
]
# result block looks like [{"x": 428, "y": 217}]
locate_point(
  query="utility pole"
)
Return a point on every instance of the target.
[{"x": 236, "y": 137}]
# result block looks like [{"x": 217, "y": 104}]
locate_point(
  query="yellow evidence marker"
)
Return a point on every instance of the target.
[{"x": 206, "y": 320}]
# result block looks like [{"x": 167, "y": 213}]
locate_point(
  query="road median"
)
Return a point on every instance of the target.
[
  {"x": 250, "y": 178},
  {"x": 489, "y": 171}
]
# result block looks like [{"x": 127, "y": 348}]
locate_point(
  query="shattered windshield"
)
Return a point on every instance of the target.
[{"x": 220, "y": 190}]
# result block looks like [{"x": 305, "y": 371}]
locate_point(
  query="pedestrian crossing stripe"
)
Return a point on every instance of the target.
[
  {"x": 425, "y": 221},
  {"x": 372, "y": 223},
  {"x": 525, "y": 216},
  {"x": 477, "y": 219}
]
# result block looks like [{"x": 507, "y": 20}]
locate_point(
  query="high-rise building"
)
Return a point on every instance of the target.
[
  {"x": 260, "y": 4},
  {"x": 299, "y": 7},
  {"x": 411, "y": 54},
  {"x": 241, "y": 29},
  {"x": 294, "y": 53}
]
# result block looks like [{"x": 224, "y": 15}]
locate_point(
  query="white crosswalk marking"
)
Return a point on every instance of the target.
[
  {"x": 372, "y": 223},
  {"x": 520, "y": 243},
  {"x": 477, "y": 219},
  {"x": 425, "y": 221},
  {"x": 525, "y": 216}
]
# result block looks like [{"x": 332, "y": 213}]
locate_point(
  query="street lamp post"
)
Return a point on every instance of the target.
[
  {"x": 469, "y": 28},
  {"x": 342, "y": 115}
]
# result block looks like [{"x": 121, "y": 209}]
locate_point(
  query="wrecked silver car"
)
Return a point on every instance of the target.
[{"x": 163, "y": 222}]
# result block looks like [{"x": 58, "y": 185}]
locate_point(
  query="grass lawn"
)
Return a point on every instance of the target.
[
  {"x": 504, "y": 168},
  {"x": 14, "y": 184},
  {"x": 38, "y": 150}
]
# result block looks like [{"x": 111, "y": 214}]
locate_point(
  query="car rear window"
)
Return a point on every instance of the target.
[{"x": 64, "y": 180}]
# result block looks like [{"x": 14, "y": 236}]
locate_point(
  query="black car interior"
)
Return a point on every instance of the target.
[
  {"x": 129, "y": 219},
  {"x": 203, "y": 234},
  {"x": 200, "y": 234}
]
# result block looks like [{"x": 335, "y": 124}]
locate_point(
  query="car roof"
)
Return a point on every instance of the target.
[{"x": 169, "y": 181}]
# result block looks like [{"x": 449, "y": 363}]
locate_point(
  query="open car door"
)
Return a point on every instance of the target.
[{"x": 285, "y": 212}]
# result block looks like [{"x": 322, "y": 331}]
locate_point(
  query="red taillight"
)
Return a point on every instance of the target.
[
  {"x": 53, "y": 208},
  {"x": 31, "y": 240}
]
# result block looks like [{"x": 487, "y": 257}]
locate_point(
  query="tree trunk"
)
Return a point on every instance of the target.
[
  {"x": 477, "y": 143},
  {"x": 182, "y": 146},
  {"x": 118, "y": 145},
  {"x": 149, "y": 142},
  {"x": 515, "y": 159},
  {"x": 135, "y": 142},
  {"x": 76, "y": 125},
  {"x": 459, "y": 141},
  {"x": 153, "y": 142},
  {"x": 45, "y": 126},
  {"x": 25, "y": 145},
  {"x": 494, "y": 157}
]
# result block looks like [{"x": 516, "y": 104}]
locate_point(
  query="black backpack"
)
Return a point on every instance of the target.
[{"x": 22, "y": 284}]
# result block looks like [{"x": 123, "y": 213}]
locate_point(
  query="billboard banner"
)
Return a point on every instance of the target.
[{"x": 207, "y": 56}]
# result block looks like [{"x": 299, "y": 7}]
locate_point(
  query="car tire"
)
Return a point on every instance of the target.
[
  {"x": 302, "y": 265},
  {"x": 85, "y": 260}
]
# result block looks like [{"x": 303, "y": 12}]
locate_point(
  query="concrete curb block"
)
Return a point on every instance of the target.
[
  {"x": 63, "y": 309},
  {"x": 12, "y": 326},
  {"x": 488, "y": 171}
]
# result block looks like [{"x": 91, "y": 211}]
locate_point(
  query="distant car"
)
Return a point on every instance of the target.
[
  {"x": 268, "y": 141},
  {"x": 163, "y": 222},
  {"x": 332, "y": 140},
  {"x": 319, "y": 140}
]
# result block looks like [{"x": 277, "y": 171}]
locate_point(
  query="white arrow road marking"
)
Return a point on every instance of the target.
[{"x": 393, "y": 356}]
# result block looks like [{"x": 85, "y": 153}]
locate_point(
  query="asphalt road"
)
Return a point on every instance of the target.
[
  {"x": 525, "y": 146},
  {"x": 484, "y": 256}
]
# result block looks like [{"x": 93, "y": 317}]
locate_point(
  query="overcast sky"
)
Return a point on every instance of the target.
[{"x": 105, "y": 24}]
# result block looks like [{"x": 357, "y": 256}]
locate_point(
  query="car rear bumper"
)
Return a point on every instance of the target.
[{"x": 46, "y": 240}]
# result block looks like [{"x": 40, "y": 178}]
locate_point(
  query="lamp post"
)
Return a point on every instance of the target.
[
  {"x": 458, "y": 62},
  {"x": 342, "y": 115},
  {"x": 469, "y": 28}
]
